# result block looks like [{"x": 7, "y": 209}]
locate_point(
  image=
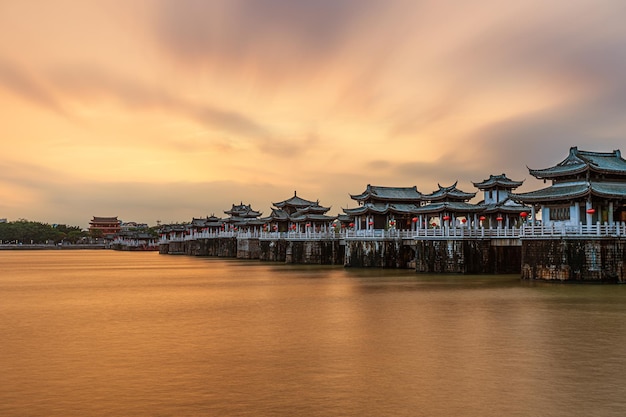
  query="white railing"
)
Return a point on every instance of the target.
[
  {"x": 134, "y": 242},
  {"x": 437, "y": 232},
  {"x": 580, "y": 230},
  {"x": 310, "y": 235},
  {"x": 524, "y": 232}
]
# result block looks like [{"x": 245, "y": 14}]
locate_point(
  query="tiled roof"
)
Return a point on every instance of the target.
[
  {"x": 449, "y": 206},
  {"x": 448, "y": 193},
  {"x": 580, "y": 161},
  {"x": 104, "y": 219},
  {"x": 559, "y": 191},
  {"x": 505, "y": 206},
  {"x": 609, "y": 189},
  {"x": 243, "y": 210},
  {"x": 296, "y": 201},
  {"x": 382, "y": 208},
  {"x": 313, "y": 217},
  {"x": 239, "y": 222},
  {"x": 373, "y": 192},
  {"x": 198, "y": 222},
  {"x": 311, "y": 209},
  {"x": 569, "y": 191},
  {"x": 344, "y": 218},
  {"x": 375, "y": 208},
  {"x": 278, "y": 214},
  {"x": 497, "y": 181}
]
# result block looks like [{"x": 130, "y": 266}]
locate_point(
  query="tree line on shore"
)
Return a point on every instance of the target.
[{"x": 29, "y": 232}]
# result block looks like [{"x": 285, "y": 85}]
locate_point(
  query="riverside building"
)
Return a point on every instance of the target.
[
  {"x": 587, "y": 188},
  {"x": 571, "y": 230}
]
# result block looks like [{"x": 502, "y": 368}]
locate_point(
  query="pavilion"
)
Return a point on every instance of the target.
[
  {"x": 385, "y": 207},
  {"x": 298, "y": 214},
  {"x": 447, "y": 206},
  {"x": 242, "y": 217},
  {"x": 497, "y": 206},
  {"x": 587, "y": 188}
]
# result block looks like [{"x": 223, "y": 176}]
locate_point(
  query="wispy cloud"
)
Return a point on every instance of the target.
[
  {"x": 276, "y": 36},
  {"x": 260, "y": 97},
  {"x": 25, "y": 85},
  {"x": 92, "y": 84}
]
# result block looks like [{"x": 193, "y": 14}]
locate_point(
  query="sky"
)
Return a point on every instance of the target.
[{"x": 165, "y": 110}]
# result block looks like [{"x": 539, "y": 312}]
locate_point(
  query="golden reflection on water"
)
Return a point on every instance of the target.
[{"x": 103, "y": 333}]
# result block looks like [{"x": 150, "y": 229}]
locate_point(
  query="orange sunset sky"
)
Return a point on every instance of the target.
[{"x": 171, "y": 109}]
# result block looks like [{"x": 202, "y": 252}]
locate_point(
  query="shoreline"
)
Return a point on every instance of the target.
[{"x": 52, "y": 246}]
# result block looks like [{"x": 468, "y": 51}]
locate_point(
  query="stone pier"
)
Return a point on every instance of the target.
[
  {"x": 299, "y": 251},
  {"x": 574, "y": 259},
  {"x": 468, "y": 256},
  {"x": 380, "y": 253}
]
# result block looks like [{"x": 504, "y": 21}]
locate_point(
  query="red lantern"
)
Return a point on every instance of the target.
[
  {"x": 523, "y": 214},
  {"x": 499, "y": 218},
  {"x": 414, "y": 219},
  {"x": 371, "y": 223},
  {"x": 446, "y": 218},
  {"x": 433, "y": 224},
  {"x": 308, "y": 225},
  {"x": 482, "y": 218},
  {"x": 591, "y": 211},
  {"x": 343, "y": 226},
  {"x": 275, "y": 227},
  {"x": 463, "y": 220},
  {"x": 351, "y": 225}
]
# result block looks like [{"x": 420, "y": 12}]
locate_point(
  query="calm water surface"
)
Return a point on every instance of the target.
[{"x": 102, "y": 333}]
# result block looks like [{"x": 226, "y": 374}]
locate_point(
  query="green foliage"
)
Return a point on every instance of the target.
[{"x": 24, "y": 231}]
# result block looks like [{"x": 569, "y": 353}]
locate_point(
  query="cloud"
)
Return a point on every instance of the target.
[
  {"x": 90, "y": 84},
  {"x": 273, "y": 33},
  {"x": 70, "y": 200},
  {"x": 25, "y": 85}
]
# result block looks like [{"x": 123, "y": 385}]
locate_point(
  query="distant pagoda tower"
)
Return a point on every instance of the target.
[{"x": 108, "y": 226}]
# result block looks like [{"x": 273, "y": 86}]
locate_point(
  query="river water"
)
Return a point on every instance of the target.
[{"x": 103, "y": 333}]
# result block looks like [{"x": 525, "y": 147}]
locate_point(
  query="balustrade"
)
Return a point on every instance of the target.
[{"x": 526, "y": 231}]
